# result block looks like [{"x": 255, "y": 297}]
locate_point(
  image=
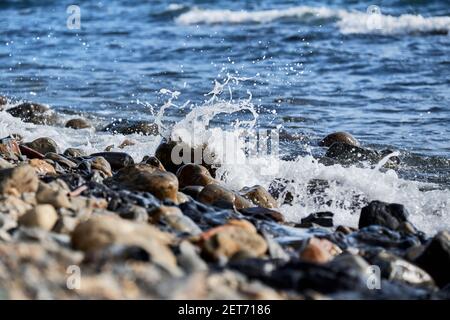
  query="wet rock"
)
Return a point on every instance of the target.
[
  {"x": 57, "y": 197},
  {"x": 319, "y": 251},
  {"x": 384, "y": 214},
  {"x": 74, "y": 153},
  {"x": 96, "y": 163},
  {"x": 30, "y": 153},
  {"x": 259, "y": 196},
  {"x": 154, "y": 162},
  {"x": 214, "y": 194},
  {"x": 194, "y": 175},
  {"x": 232, "y": 239},
  {"x": 18, "y": 180},
  {"x": 61, "y": 160},
  {"x": 126, "y": 143},
  {"x": 280, "y": 189},
  {"x": 192, "y": 191},
  {"x": 435, "y": 258},
  {"x": 9, "y": 149},
  {"x": 260, "y": 213},
  {"x": 3, "y": 101},
  {"x": 181, "y": 198},
  {"x": 117, "y": 160},
  {"x": 164, "y": 155},
  {"x": 345, "y": 229},
  {"x": 394, "y": 268},
  {"x": 34, "y": 113},
  {"x": 129, "y": 127},
  {"x": 78, "y": 124},
  {"x": 42, "y": 216},
  {"x": 189, "y": 258},
  {"x": 342, "y": 137},
  {"x": 42, "y": 167},
  {"x": 323, "y": 219},
  {"x": 102, "y": 231},
  {"x": 43, "y": 145},
  {"x": 143, "y": 177}
]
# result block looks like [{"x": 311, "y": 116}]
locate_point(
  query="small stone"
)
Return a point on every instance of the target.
[
  {"x": 117, "y": 160},
  {"x": 129, "y": 127},
  {"x": 34, "y": 113},
  {"x": 143, "y": 177},
  {"x": 259, "y": 196},
  {"x": 58, "y": 198},
  {"x": 154, "y": 162},
  {"x": 324, "y": 219},
  {"x": 74, "y": 153},
  {"x": 43, "y": 145},
  {"x": 230, "y": 240},
  {"x": 194, "y": 175},
  {"x": 43, "y": 216},
  {"x": 214, "y": 193},
  {"x": 262, "y": 214},
  {"x": 9, "y": 149},
  {"x": 126, "y": 143},
  {"x": 3, "y": 101},
  {"x": 435, "y": 258},
  {"x": 384, "y": 214},
  {"x": 319, "y": 251},
  {"x": 78, "y": 124},
  {"x": 176, "y": 219},
  {"x": 61, "y": 160},
  {"x": 42, "y": 167},
  {"x": 342, "y": 137},
  {"x": 18, "y": 180}
]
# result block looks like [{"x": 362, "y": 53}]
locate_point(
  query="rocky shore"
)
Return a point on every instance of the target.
[{"x": 107, "y": 226}]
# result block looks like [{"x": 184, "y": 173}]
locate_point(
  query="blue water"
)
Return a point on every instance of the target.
[{"x": 388, "y": 86}]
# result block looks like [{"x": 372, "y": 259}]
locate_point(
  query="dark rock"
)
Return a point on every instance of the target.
[
  {"x": 324, "y": 219},
  {"x": 194, "y": 175},
  {"x": 74, "y": 153},
  {"x": 435, "y": 259},
  {"x": 384, "y": 214},
  {"x": 279, "y": 190},
  {"x": 61, "y": 160},
  {"x": 342, "y": 137},
  {"x": 129, "y": 127},
  {"x": 3, "y": 101},
  {"x": 78, "y": 124},
  {"x": 117, "y": 160},
  {"x": 214, "y": 193},
  {"x": 154, "y": 162},
  {"x": 34, "y": 113},
  {"x": 192, "y": 191},
  {"x": 30, "y": 153},
  {"x": 43, "y": 145},
  {"x": 261, "y": 213},
  {"x": 9, "y": 149}
]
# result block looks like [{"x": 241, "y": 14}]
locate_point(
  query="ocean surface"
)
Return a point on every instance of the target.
[{"x": 380, "y": 71}]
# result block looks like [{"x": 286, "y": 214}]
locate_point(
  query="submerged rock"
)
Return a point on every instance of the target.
[
  {"x": 435, "y": 258},
  {"x": 391, "y": 215},
  {"x": 18, "y": 180},
  {"x": 342, "y": 137},
  {"x": 43, "y": 145},
  {"x": 42, "y": 216},
  {"x": 129, "y": 127},
  {"x": 78, "y": 124},
  {"x": 34, "y": 113}
]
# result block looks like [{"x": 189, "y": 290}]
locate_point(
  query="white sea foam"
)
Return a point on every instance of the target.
[
  {"x": 348, "y": 22},
  {"x": 349, "y": 188}
]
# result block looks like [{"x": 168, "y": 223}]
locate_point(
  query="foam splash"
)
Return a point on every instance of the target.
[
  {"x": 348, "y": 190},
  {"x": 348, "y": 22}
]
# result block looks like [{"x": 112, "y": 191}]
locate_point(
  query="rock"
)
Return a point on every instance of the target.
[
  {"x": 3, "y": 101},
  {"x": 319, "y": 251},
  {"x": 323, "y": 219},
  {"x": 435, "y": 258},
  {"x": 176, "y": 219},
  {"x": 214, "y": 194},
  {"x": 34, "y": 113},
  {"x": 189, "y": 258},
  {"x": 384, "y": 214},
  {"x": 182, "y": 198},
  {"x": 96, "y": 163},
  {"x": 260, "y": 213},
  {"x": 394, "y": 268},
  {"x": 61, "y": 160},
  {"x": 56, "y": 197},
  {"x": 5, "y": 164},
  {"x": 143, "y": 177},
  {"x": 43, "y": 216},
  {"x": 164, "y": 155},
  {"x": 117, "y": 160},
  {"x": 126, "y": 143},
  {"x": 154, "y": 162},
  {"x": 231, "y": 239},
  {"x": 259, "y": 196},
  {"x": 78, "y": 124},
  {"x": 43, "y": 145},
  {"x": 129, "y": 127},
  {"x": 194, "y": 175},
  {"x": 102, "y": 231},
  {"x": 9, "y": 149},
  {"x": 65, "y": 225},
  {"x": 74, "y": 153},
  {"x": 42, "y": 167},
  {"x": 342, "y": 137},
  {"x": 192, "y": 191},
  {"x": 18, "y": 180},
  {"x": 30, "y": 153}
]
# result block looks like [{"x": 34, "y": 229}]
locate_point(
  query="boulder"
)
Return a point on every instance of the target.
[
  {"x": 43, "y": 145},
  {"x": 18, "y": 180},
  {"x": 42, "y": 216},
  {"x": 214, "y": 194},
  {"x": 342, "y": 137},
  {"x": 34, "y": 113},
  {"x": 194, "y": 175},
  {"x": 78, "y": 124},
  {"x": 384, "y": 214}
]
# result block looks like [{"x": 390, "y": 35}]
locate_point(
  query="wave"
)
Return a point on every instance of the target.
[{"x": 348, "y": 22}]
